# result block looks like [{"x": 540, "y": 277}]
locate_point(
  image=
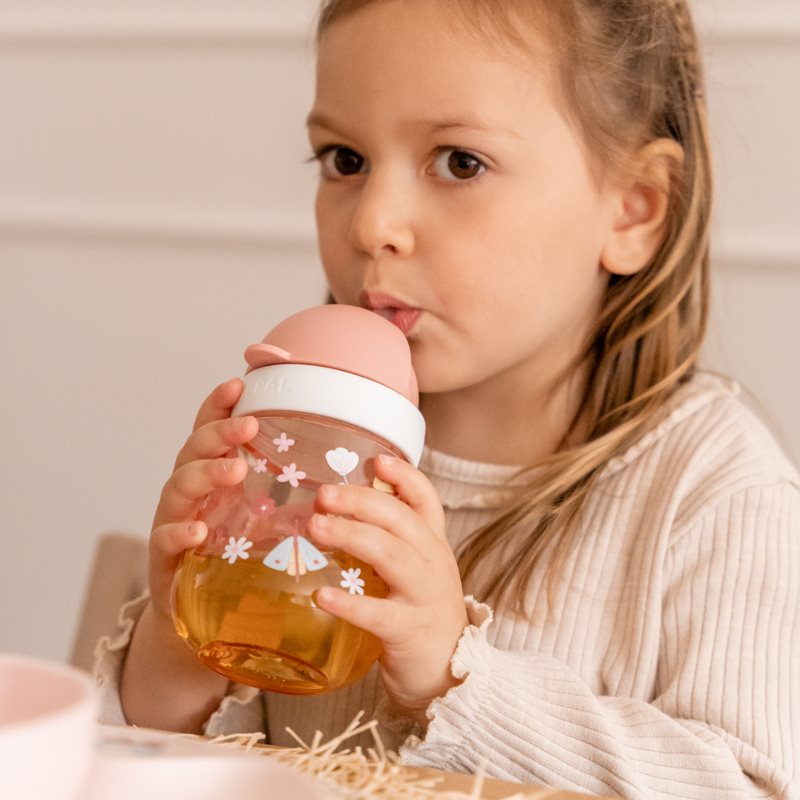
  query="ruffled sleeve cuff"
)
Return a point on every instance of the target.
[
  {"x": 109, "y": 658},
  {"x": 394, "y": 726},
  {"x": 453, "y": 717},
  {"x": 241, "y": 710}
]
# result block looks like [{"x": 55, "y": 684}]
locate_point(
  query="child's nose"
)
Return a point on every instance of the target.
[{"x": 382, "y": 219}]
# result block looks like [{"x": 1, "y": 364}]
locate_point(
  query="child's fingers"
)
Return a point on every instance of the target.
[
  {"x": 375, "y": 615},
  {"x": 391, "y": 558},
  {"x": 375, "y": 508},
  {"x": 188, "y": 485},
  {"x": 173, "y": 538},
  {"x": 414, "y": 489},
  {"x": 168, "y": 543},
  {"x": 378, "y": 509},
  {"x": 215, "y": 439},
  {"x": 219, "y": 402}
]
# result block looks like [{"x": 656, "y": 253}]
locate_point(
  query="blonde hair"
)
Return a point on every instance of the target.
[{"x": 628, "y": 72}]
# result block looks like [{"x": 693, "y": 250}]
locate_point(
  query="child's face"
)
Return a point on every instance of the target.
[{"x": 453, "y": 183}]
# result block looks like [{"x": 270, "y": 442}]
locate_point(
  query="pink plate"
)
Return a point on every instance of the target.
[
  {"x": 142, "y": 764},
  {"x": 47, "y": 728}
]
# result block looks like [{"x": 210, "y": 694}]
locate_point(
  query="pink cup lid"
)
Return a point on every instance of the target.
[{"x": 347, "y": 338}]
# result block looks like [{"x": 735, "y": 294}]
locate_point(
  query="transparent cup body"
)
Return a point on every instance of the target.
[{"x": 244, "y": 599}]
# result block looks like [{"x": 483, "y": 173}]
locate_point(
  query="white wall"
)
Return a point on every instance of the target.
[
  {"x": 155, "y": 217},
  {"x": 753, "y": 53}
]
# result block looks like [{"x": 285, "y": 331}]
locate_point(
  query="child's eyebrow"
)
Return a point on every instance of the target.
[
  {"x": 465, "y": 124},
  {"x": 316, "y": 119}
]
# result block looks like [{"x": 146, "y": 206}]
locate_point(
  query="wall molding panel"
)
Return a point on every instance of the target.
[
  {"x": 751, "y": 26},
  {"x": 157, "y": 29},
  {"x": 189, "y": 230},
  {"x": 743, "y": 251},
  {"x": 288, "y": 27},
  {"x": 756, "y": 253}
]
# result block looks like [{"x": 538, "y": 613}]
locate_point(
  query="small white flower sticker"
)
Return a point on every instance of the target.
[
  {"x": 237, "y": 548},
  {"x": 342, "y": 461},
  {"x": 352, "y": 582},
  {"x": 260, "y": 465},
  {"x": 283, "y": 443},
  {"x": 292, "y": 475}
]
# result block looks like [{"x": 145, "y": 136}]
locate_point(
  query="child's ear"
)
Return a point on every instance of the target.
[{"x": 640, "y": 208}]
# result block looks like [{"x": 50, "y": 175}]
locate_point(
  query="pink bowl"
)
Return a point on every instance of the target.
[{"x": 47, "y": 728}]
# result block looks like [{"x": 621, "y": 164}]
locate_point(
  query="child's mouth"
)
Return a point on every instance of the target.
[
  {"x": 403, "y": 318},
  {"x": 391, "y": 308}
]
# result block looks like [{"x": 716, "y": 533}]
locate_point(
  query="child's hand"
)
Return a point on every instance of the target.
[
  {"x": 163, "y": 685},
  {"x": 403, "y": 538},
  {"x": 206, "y": 462}
]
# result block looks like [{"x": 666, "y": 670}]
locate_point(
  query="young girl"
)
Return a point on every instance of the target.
[{"x": 523, "y": 187}]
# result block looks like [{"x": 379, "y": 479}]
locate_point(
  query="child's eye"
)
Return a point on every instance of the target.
[
  {"x": 339, "y": 161},
  {"x": 458, "y": 165}
]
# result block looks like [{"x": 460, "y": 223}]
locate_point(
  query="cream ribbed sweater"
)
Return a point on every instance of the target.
[{"x": 669, "y": 665}]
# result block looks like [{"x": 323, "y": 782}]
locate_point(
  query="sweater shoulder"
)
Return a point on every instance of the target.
[{"x": 708, "y": 439}]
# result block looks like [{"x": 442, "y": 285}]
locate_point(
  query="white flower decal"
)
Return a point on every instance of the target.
[
  {"x": 260, "y": 465},
  {"x": 292, "y": 475},
  {"x": 237, "y": 548},
  {"x": 352, "y": 581},
  {"x": 283, "y": 443},
  {"x": 342, "y": 461}
]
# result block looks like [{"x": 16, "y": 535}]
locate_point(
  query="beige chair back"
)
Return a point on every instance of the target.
[{"x": 118, "y": 574}]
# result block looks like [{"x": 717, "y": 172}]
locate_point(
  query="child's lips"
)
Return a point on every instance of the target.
[
  {"x": 403, "y": 318},
  {"x": 391, "y": 308}
]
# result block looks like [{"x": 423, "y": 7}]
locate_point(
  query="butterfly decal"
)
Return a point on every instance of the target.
[{"x": 295, "y": 555}]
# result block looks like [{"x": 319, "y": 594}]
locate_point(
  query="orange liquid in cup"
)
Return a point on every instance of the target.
[
  {"x": 249, "y": 614},
  {"x": 262, "y": 628}
]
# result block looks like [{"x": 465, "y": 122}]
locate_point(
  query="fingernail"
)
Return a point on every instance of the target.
[
  {"x": 320, "y": 522},
  {"x": 324, "y": 595},
  {"x": 240, "y": 423},
  {"x": 329, "y": 491},
  {"x": 196, "y": 530},
  {"x": 228, "y": 464},
  {"x": 386, "y": 461}
]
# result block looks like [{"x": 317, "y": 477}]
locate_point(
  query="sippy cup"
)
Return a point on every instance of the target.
[{"x": 332, "y": 387}]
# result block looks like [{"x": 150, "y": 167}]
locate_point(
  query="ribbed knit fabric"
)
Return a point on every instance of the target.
[{"x": 668, "y": 665}]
